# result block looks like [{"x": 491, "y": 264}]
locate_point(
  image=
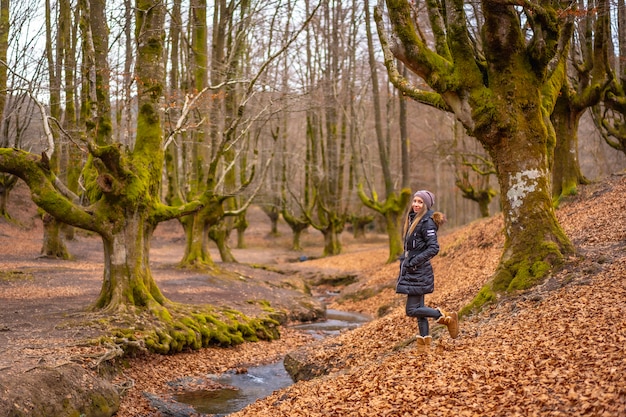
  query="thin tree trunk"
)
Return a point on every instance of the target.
[
  {"x": 52, "y": 243},
  {"x": 196, "y": 253},
  {"x": 394, "y": 204},
  {"x": 7, "y": 183}
]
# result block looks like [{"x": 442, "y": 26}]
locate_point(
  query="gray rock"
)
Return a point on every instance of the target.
[{"x": 62, "y": 391}]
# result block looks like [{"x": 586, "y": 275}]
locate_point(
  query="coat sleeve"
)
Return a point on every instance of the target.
[{"x": 429, "y": 234}]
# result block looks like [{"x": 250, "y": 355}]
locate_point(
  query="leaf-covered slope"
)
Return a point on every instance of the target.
[{"x": 558, "y": 349}]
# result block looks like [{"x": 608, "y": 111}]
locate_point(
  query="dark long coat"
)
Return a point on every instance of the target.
[{"x": 420, "y": 246}]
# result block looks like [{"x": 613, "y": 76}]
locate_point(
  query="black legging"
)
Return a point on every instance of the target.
[{"x": 415, "y": 308}]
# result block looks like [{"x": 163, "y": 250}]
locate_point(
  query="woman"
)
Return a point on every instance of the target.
[{"x": 416, "y": 272}]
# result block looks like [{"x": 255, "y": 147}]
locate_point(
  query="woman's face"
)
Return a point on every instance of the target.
[{"x": 417, "y": 204}]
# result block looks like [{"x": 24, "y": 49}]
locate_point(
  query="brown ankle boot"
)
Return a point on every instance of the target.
[
  {"x": 451, "y": 321},
  {"x": 423, "y": 343},
  {"x": 427, "y": 341}
]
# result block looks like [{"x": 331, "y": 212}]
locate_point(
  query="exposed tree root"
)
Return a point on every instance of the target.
[{"x": 176, "y": 327}]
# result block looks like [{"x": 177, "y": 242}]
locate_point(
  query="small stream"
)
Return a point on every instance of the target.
[
  {"x": 336, "y": 321},
  {"x": 260, "y": 381}
]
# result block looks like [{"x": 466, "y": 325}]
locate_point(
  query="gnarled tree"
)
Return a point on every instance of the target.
[
  {"x": 610, "y": 114},
  {"x": 492, "y": 81},
  {"x": 124, "y": 188}
]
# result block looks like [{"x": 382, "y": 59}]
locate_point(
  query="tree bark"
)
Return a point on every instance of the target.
[
  {"x": 196, "y": 253},
  {"x": 53, "y": 245},
  {"x": 4, "y": 48},
  {"x": 128, "y": 279},
  {"x": 52, "y": 242},
  {"x": 566, "y": 172},
  {"x": 7, "y": 182},
  {"x": 593, "y": 79}
]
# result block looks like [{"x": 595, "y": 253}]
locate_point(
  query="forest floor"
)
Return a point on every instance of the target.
[{"x": 558, "y": 349}]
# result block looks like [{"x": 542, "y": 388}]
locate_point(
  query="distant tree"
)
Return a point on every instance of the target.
[
  {"x": 19, "y": 126},
  {"x": 220, "y": 158},
  {"x": 64, "y": 162},
  {"x": 394, "y": 202},
  {"x": 7, "y": 181},
  {"x": 610, "y": 114},
  {"x": 326, "y": 159},
  {"x": 472, "y": 169},
  {"x": 583, "y": 86},
  {"x": 479, "y": 190}
]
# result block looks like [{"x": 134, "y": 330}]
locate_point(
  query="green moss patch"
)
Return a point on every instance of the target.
[
  {"x": 10, "y": 276},
  {"x": 180, "y": 327}
]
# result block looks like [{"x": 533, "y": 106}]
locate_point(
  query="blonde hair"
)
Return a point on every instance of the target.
[{"x": 410, "y": 227}]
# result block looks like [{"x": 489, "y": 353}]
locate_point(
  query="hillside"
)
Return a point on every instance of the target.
[{"x": 557, "y": 350}]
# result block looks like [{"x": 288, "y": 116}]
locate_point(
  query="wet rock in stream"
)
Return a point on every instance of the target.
[{"x": 168, "y": 407}]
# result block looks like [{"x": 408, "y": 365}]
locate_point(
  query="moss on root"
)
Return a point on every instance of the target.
[
  {"x": 189, "y": 327},
  {"x": 486, "y": 295},
  {"x": 516, "y": 275}
]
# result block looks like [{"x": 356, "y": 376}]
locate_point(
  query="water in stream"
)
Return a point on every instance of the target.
[
  {"x": 261, "y": 381},
  {"x": 258, "y": 382}
]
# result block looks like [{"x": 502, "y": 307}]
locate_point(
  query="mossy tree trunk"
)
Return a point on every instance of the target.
[
  {"x": 592, "y": 81},
  {"x": 128, "y": 281},
  {"x": 393, "y": 221},
  {"x": 236, "y": 173},
  {"x": 196, "y": 253},
  {"x": 498, "y": 98},
  {"x": 219, "y": 234},
  {"x": 324, "y": 201},
  {"x": 296, "y": 240},
  {"x": 196, "y": 227},
  {"x": 241, "y": 225},
  {"x": 273, "y": 213},
  {"x": 534, "y": 240},
  {"x": 483, "y": 195},
  {"x": 332, "y": 237},
  {"x": 359, "y": 225},
  {"x": 296, "y": 222},
  {"x": 297, "y": 226},
  {"x": 219, "y": 114},
  {"x": 518, "y": 139},
  {"x": 53, "y": 245},
  {"x": 392, "y": 209},
  {"x": 566, "y": 172},
  {"x": 71, "y": 158}
]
